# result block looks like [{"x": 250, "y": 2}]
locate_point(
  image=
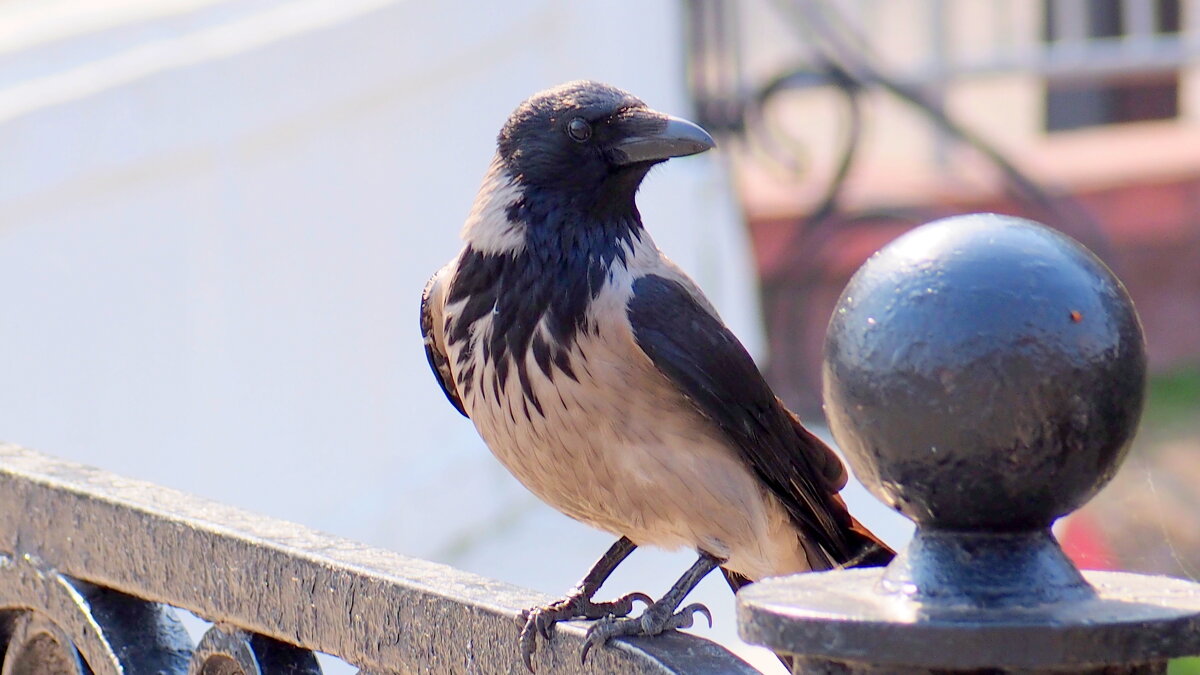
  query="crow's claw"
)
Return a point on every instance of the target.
[
  {"x": 540, "y": 620},
  {"x": 693, "y": 609},
  {"x": 656, "y": 619}
]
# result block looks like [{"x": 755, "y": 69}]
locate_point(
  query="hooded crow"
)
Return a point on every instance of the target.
[{"x": 598, "y": 373}]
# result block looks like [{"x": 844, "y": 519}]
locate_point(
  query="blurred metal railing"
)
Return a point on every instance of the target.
[
  {"x": 750, "y": 63},
  {"x": 1076, "y": 38},
  {"x": 91, "y": 565},
  {"x": 849, "y": 45}
]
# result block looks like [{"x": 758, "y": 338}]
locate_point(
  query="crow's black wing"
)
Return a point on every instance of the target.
[
  {"x": 434, "y": 349},
  {"x": 693, "y": 348}
]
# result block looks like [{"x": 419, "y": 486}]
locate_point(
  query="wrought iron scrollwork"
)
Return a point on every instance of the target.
[
  {"x": 51, "y": 624},
  {"x": 226, "y": 650},
  {"x": 62, "y": 626},
  {"x": 36, "y": 646}
]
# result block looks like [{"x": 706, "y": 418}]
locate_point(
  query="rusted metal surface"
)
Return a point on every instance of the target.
[{"x": 124, "y": 540}]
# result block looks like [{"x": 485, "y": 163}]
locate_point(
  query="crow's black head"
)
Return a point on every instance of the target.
[
  {"x": 592, "y": 143},
  {"x": 554, "y": 216}
]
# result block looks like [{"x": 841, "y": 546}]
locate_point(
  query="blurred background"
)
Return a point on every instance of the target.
[{"x": 216, "y": 218}]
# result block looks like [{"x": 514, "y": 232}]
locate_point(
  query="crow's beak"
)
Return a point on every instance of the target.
[{"x": 654, "y": 137}]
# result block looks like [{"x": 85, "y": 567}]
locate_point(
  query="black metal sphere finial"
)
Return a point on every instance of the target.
[
  {"x": 984, "y": 372},
  {"x": 984, "y": 375}
]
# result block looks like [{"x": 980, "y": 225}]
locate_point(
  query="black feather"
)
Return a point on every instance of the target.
[
  {"x": 541, "y": 354},
  {"x": 702, "y": 357},
  {"x": 438, "y": 361},
  {"x": 554, "y": 277}
]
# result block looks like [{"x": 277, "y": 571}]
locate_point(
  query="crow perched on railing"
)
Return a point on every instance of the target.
[{"x": 601, "y": 377}]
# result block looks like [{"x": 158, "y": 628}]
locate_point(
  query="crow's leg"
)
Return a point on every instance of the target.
[
  {"x": 577, "y": 604},
  {"x": 660, "y": 616}
]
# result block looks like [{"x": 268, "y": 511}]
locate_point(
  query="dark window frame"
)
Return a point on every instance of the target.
[{"x": 1081, "y": 102}]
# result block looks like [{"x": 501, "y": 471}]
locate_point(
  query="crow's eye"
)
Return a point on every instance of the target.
[{"x": 579, "y": 129}]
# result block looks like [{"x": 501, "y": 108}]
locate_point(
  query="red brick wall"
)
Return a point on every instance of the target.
[{"x": 1149, "y": 233}]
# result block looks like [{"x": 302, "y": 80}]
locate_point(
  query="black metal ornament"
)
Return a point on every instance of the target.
[{"x": 984, "y": 375}]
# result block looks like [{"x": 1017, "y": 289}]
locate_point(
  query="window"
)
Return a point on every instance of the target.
[{"x": 1085, "y": 101}]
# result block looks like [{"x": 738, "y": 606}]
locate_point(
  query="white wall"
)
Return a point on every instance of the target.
[
  {"x": 212, "y": 241},
  {"x": 216, "y": 219}
]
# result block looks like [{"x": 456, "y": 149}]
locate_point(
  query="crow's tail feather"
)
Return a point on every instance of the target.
[{"x": 870, "y": 551}]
